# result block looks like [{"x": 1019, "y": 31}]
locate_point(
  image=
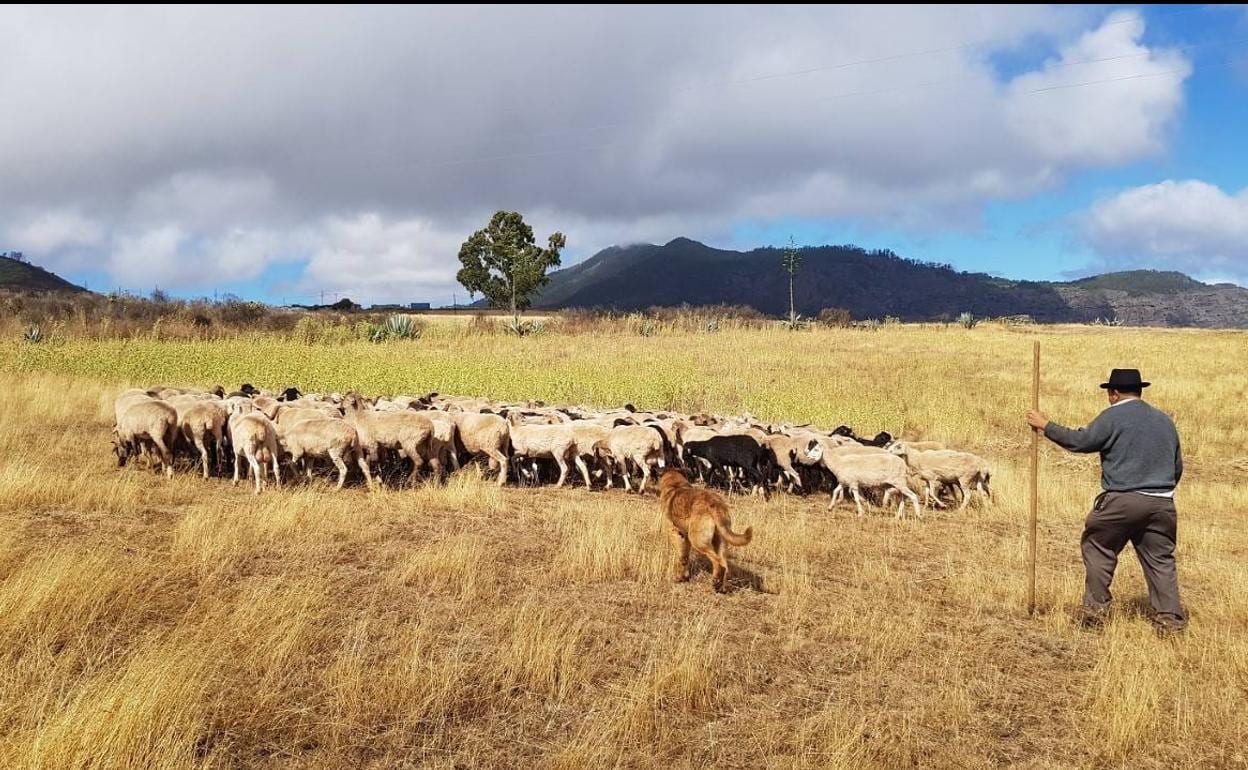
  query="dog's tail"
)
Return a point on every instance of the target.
[
  {"x": 723, "y": 526},
  {"x": 735, "y": 538}
]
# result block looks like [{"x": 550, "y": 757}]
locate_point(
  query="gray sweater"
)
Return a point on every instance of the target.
[{"x": 1138, "y": 444}]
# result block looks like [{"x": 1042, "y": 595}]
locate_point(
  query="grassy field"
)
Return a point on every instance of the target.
[{"x": 147, "y": 623}]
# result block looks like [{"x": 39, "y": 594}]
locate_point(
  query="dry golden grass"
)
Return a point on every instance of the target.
[{"x": 147, "y": 623}]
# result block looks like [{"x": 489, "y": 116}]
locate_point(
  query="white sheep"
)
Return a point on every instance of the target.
[
  {"x": 588, "y": 435},
  {"x": 200, "y": 421},
  {"x": 635, "y": 445},
  {"x": 938, "y": 467},
  {"x": 486, "y": 435},
  {"x": 146, "y": 425},
  {"x": 855, "y": 470},
  {"x": 254, "y": 436},
  {"x": 407, "y": 432},
  {"x": 537, "y": 441},
  {"x": 318, "y": 436}
]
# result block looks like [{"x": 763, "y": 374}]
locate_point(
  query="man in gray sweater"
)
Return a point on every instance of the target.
[{"x": 1140, "y": 466}]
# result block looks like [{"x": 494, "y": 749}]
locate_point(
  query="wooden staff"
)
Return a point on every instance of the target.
[{"x": 1035, "y": 482}]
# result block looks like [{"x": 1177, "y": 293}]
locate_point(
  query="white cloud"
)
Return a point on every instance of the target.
[
  {"x": 369, "y": 142},
  {"x": 1185, "y": 225},
  {"x": 1132, "y": 95},
  {"x": 64, "y": 234},
  {"x": 368, "y": 258}
]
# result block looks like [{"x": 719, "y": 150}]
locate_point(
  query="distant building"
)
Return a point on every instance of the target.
[
  {"x": 418, "y": 306},
  {"x": 16, "y": 255}
]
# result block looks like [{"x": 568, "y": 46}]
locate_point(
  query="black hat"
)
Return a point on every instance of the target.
[{"x": 1125, "y": 379}]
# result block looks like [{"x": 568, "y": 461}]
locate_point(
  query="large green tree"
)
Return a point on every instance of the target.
[{"x": 504, "y": 263}]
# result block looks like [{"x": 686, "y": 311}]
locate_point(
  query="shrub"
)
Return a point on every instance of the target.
[
  {"x": 968, "y": 321},
  {"x": 836, "y": 317}
]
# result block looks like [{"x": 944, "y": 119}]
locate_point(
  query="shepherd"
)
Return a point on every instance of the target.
[{"x": 1141, "y": 465}]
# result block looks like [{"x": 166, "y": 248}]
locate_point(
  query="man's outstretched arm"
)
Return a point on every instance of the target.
[{"x": 1090, "y": 439}]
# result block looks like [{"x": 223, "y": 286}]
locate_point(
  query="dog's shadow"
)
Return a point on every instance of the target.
[{"x": 738, "y": 577}]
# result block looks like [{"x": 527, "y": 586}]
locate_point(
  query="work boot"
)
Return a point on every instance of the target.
[
  {"x": 1092, "y": 618},
  {"x": 1167, "y": 625}
]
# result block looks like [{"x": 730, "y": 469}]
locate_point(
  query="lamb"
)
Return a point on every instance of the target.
[
  {"x": 855, "y": 470},
  {"x": 944, "y": 466},
  {"x": 254, "y": 436},
  {"x": 485, "y": 434},
  {"x": 146, "y": 424},
  {"x": 554, "y": 441},
  {"x": 407, "y": 432},
  {"x": 198, "y": 422},
  {"x": 322, "y": 437},
  {"x": 640, "y": 445}
]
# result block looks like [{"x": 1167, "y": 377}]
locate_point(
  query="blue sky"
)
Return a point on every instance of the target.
[
  {"x": 350, "y": 150},
  {"x": 1034, "y": 238}
]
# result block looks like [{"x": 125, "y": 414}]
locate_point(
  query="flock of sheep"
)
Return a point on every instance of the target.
[{"x": 405, "y": 438}]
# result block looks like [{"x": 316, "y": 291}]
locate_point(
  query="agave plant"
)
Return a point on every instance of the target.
[
  {"x": 396, "y": 327},
  {"x": 799, "y": 323},
  {"x": 33, "y": 334},
  {"x": 401, "y": 327},
  {"x": 967, "y": 321}
]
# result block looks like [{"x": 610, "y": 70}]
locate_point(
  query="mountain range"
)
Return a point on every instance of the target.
[
  {"x": 879, "y": 283},
  {"x": 16, "y": 275}
]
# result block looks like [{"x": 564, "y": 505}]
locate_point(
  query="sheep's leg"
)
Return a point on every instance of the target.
[
  {"x": 562, "y": 461},
  {"x": 363, "y": 463},
  {"x": 277, "y": 473},
  {"x": 342, "y": 467},
  {"x": 887, "y": 494},
  {"x": 986, "y": 489},
  {"x": 933, "y": 495},
  {"x": 256, "y": 470},
  {"x": 857, "y": 498},
  {"x": 203, "y": 453},
  {"x": 645, "y": 473},
  {"x": 236, "y": 456},
  {"x": 964, "y": 484},
  {"x": 837, "y": 494},
  {"x": 219, "y": 450},
  {"x": 627, "y": 473},
  {"x": 166, "y": 456},
  {"x": 501, "y": 459},
  {"x": 918, "y": 514},
  {"x": 584, "y": 469}
]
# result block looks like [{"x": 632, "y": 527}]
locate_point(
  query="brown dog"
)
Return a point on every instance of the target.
[{"x": 698, "y": 517}]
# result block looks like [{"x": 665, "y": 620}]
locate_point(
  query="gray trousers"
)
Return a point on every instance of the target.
[{"x": 1150, "y": 524}]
